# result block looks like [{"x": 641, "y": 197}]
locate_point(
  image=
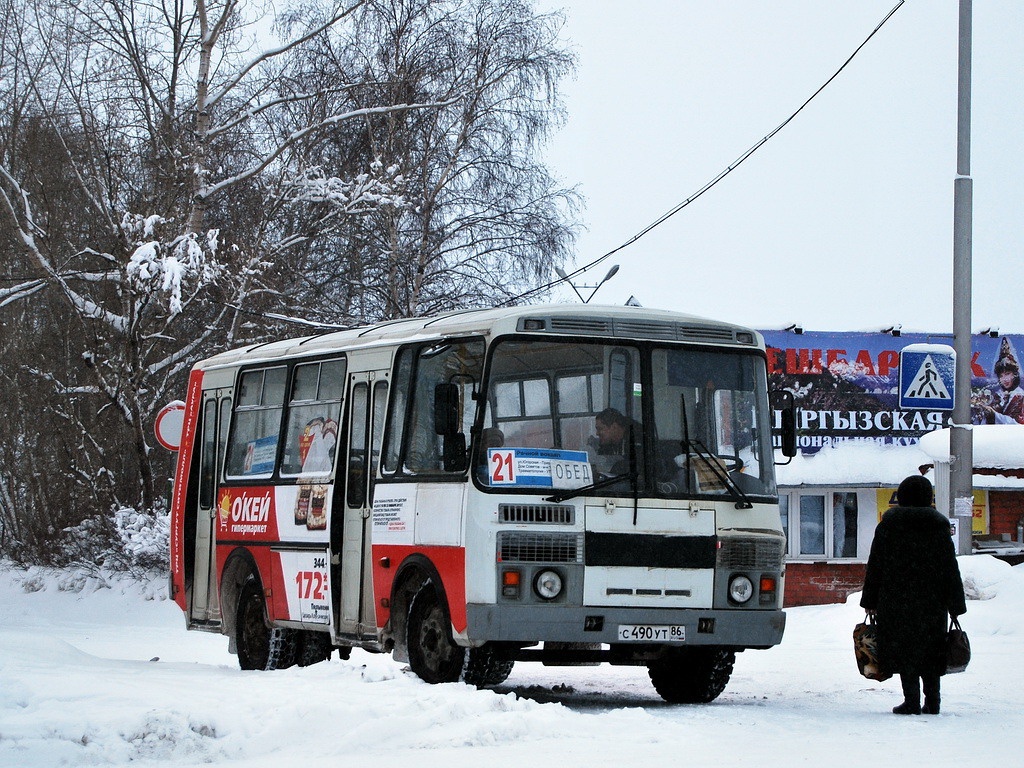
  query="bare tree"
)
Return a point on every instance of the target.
[
  {"x": 482, "y": 218},
  {"x": 144, "y": 157}
]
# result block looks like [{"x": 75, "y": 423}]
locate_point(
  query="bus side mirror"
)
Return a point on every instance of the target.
[
  {"x": 447, "y": 424},
  {"x": 454, "y": 456},
  {"x": 446, "y": 409},
  {"x": 784, "y": 403}
]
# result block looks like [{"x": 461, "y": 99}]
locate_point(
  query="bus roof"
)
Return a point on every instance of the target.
[{"x": 556, "y": 319}]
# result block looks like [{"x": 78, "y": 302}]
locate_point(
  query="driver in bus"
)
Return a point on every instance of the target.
[{"x": 614, "y": 442}]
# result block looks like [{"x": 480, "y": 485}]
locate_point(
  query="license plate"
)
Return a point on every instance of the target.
[{"x": 651, "y": 633}]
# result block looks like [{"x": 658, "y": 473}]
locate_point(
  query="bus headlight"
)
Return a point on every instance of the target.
[
  {"x": 741, "y": 589},
  {"x": 548, "y": 584}
]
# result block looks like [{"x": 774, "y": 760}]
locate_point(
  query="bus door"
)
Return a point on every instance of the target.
[
  {"x": 216, "y": 408},
  {"x": 367, "y": 401}
]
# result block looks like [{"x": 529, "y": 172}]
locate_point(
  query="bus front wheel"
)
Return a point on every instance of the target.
[
  {"x": 435, "y": 657},
  {"x": 433, "y": 654},
  {"x": 692, "y": 675}
]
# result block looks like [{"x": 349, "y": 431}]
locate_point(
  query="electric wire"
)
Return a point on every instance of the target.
[
  {"x": 713, "y": 182},
  {"x": 657, "y": 222}
]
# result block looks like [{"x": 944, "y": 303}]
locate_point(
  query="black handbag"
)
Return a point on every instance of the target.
[
  {"x": 865, "y": 648},
  {"x": 958, "y": 648}
]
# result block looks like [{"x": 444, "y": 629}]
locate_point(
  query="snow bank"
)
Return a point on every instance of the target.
[
  {"x": 97, "y": 674},
  {"x": 984, "y": 576},
  {"x": 79, "y": 582}
]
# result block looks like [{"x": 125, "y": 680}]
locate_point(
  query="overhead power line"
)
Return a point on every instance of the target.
[{"x": 729, "y": 169}]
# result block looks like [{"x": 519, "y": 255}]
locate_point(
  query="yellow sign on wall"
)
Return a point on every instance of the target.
[{"x": 886, "y": 498}]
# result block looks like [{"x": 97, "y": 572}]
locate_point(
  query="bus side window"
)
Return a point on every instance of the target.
[
  {"x": 458, "y": 363},
  {"x": 378, "y": 413},
  {"x": 357, "y": 446},
  {"x": 397, "y": 411},
  {"x": 252, "y": 448},
  {"x": 314, "y": 411},
  {"x": 207, "y": 476}
]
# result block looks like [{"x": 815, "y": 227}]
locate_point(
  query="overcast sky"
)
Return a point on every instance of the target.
[{"x": 843, "y": 221}]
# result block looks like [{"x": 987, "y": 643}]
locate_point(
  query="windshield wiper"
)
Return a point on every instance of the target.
[
  {"x": 688, "y": 443},
  {"x": 569, "y": 493},
  {"x": 711, "y": 460}
]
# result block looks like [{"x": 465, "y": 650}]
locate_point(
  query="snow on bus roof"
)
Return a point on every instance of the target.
[{"x": 465, "y": 321}]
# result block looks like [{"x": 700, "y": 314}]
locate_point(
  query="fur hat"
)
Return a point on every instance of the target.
[
  {"x": 915, "y": 491},
  {"x": 1007, "y": 360}
]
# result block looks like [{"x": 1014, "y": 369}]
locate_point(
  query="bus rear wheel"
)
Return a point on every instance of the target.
[
  {"x": 692, "y": 675},
  {"x": 312, "y": 647},
  {"x": 259, "y": 645}
]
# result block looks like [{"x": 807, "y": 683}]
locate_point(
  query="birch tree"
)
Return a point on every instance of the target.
[{"x": 483, "y": 219}]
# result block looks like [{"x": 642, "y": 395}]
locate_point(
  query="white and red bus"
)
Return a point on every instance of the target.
[{"x": 569, "y": 484}]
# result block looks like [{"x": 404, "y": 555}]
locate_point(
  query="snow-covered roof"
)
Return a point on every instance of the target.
[
  {"x": 853, "y": 463},
  {"x": 872, "y": 464},
  {"x": 996, "y": 446}
]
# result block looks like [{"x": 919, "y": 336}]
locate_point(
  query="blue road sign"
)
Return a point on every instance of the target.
[{"x": 927, "y": 374}]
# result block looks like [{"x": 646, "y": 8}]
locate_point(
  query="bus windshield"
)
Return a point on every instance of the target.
[{"x": 667, "y": 421}]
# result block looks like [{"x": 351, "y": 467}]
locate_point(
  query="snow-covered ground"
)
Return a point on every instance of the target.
[{"x": 110, "y": 677}]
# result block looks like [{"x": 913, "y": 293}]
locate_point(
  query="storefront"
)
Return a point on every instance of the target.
[{"x": 857, "y": 444}]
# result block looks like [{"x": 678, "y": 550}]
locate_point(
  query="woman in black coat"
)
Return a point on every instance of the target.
[{"x": 913, "y": 586}]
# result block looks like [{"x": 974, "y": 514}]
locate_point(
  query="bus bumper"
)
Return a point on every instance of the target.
[{"x": 581, "y": 624}]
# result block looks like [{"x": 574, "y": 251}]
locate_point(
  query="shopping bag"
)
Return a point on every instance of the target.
[
  {"x": 865, "y": 648},
  {"x": 958, "y": 648}
]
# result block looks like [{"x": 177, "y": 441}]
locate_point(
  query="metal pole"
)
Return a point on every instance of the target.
[{"x": 961, "y": 496}]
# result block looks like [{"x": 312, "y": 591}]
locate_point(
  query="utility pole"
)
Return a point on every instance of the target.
[{"x": 961, "y": 444}]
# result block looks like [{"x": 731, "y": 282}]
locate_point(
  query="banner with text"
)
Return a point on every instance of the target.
[{"x": 846, "y": 385}]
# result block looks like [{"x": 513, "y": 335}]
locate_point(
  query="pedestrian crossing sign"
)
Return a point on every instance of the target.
[{"x": 927, "y": 373}]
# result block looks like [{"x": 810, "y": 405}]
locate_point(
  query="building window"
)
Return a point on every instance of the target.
[
  {"x": 812, "y": 525},
  {"x": 819, "y": 525},
  {"x": 844, "y": 525}
]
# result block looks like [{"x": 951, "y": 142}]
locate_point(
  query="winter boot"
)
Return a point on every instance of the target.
[
  {"x": 907, "y": 708},
  {"x": 911, "y": 696},
  {"x": 931, "y": 695}
]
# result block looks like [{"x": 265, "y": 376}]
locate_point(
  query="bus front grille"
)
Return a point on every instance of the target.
[
  {"x": 544, "y": 514},
  {"x": 750, "y": 554},
  {"x": 523, "y": 547}
]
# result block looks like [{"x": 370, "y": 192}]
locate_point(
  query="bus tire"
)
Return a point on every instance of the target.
[
  {"x": 433, "y": 655},
  {"x": 692, "y": 675},
  {"x": 494, "y": 670},
  {"x": 313, "y": 647},
  {"x": 259, "y": 645}
]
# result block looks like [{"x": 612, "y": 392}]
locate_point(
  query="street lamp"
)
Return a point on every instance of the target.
[{"x": 565, "y": 278}]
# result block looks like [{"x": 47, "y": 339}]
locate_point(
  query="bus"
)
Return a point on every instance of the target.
[{"x": 569, "y": 484}]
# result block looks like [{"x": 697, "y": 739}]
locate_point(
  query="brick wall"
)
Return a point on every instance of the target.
[
  {"x": 821, "y": 583},
  {"x": 1005, "y": 508}
]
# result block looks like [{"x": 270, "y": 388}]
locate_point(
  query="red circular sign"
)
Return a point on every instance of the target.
[{"x": 169, "y": 423}]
